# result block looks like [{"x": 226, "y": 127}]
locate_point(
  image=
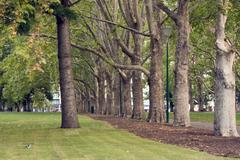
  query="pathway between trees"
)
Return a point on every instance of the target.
[{"x": 206, "y": 125}]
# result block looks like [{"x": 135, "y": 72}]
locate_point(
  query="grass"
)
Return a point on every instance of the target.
[
  {"x": 96, "y": 140},
  {"x": 208, "y": 117}
]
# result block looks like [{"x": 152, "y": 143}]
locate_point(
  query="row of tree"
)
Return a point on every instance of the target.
[{"x": 126, "y": 41}]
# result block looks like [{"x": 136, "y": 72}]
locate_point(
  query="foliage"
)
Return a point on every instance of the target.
[
  {"x": 40, "y": 100},
  {"x": 29, "y": 61}
]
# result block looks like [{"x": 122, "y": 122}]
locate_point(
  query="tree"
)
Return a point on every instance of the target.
[
  {"x": 181, "y": 88},
  {"x": 156, "y": 109},
  {"x": 225, "y": 114},
  {"x": 69, "y": 110}
]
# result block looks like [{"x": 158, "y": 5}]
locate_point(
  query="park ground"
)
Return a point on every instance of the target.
[{"x": 38, "y": 136}]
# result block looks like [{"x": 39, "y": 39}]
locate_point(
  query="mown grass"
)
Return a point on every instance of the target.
[
  {"x": 95, "y": 140},
  {"x": 208, "y": 117}
]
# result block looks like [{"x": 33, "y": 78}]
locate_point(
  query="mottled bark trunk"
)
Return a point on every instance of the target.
[
  {"x": 116, "y": 92},
  {"x": 133, "y": 18},
  {"x": 156, "y": 110},
  {"x": 200, "y": 96},
  {"x": 181, "y": 96},
  {"x": 88, "y": 104},
  {"x": 138, "y": 110},
  {"x": 190, "y": 96},
  {"x": 97, "y": 96},
  {"x": 78, "y": 102},
  {"x": 27, "y": 104},
  {"x": 225, "y": 115},
  {"x": 81, "y": 103},
  {"x": 24, "y": 106},
  {"x": 1, "y": 107},
  {"x": 1, "y": 102},
  {"x": 101, "y": 96},
  {"x": 110, "y": 94},
  {"x": 127, "y": 97},
  {"x": 17, "y": 106},
  {"x": 69, "y": 110}
]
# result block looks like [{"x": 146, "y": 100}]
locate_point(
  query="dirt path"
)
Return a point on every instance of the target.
[
  {"x": 205, "y": 125},
  {"x": 200, "y": 137}
]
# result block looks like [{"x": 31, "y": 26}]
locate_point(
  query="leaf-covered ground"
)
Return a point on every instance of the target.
[{"x": 38, "y": 136}]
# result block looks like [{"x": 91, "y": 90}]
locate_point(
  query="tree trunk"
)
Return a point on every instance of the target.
[
  {"x": 1, "y": 106},
  {"x": 27, "y": 104},
  {"x": 138, "y": 110},
  {"x": 127, "y": 96},
  {"x": 137, "y": 90},
  {"x": 156, "y": 110},
  {"x": 181, "y": 93},
  {"x": 190, "y": 95},
  {"x": 200, "y": 95},
  {"x": 17, "y": 106},
  {"x": 101, "y": 96},
  {"x": 134, "y": 20},
  {"x": 69, "y": 110},
  {"x": 80, "y": 102},
  {"x": 1, "y": 101},
  {"x": 116, "y": 92},
  {"x": 110, "y": 92},
  {"x": 225, "y": 115},
  {"x": 97, "y": 96}
]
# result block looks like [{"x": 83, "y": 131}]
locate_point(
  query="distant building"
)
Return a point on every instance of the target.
[
  {"x": 146, "y": 105},
  {"x": 56, "y": 102}
]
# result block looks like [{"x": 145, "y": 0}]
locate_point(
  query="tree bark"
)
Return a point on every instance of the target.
[
  {"x": 190, "y": 96},
  {"x": 127, "y": 96},
  {"x": 1, "y": 106},
  {"x": 131, "y": 14},
  {"x": 79, "y": 101},
  {"x": 138, "y": 110},
  {"x": 116, "y": 92},
  {"x": 27, "y": 104},
  {"x": 200, "y": 95},
  {"x": 156, "y": 110},
  {"x": 110, "y": 94},
  {"x": 101, "y": 96},
  {"x": 225, "y": 114},
  {"x": 181, "y": 96},
  {"x": 97, "y": 96},
  {"x": 17, "y": 106},
  {"x": 137, "y": 88},
  {"x": 69, "y": 110},
  {"x": 1, "y": 101}
]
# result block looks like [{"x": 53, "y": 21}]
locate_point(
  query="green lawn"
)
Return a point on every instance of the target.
[
  {"x": 207, "y": 117},
  {"x": 96, "y": 140}
]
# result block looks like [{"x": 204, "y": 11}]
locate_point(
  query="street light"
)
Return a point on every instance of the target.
[{"x": 166, "y": 33}]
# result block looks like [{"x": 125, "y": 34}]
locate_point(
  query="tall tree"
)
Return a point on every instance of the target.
[
  {"x": 181, "y": 88},
  {"x": 225, "y": 114},
  {"x": 156, "y": 110},
  {"x": 69, "y": 110}
]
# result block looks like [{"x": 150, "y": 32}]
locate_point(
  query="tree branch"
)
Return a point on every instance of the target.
[
  {"x": 170, "y": 13},
  {"x": 118, "y": 25},
  {"x": 125, "y": 49},
  {"x": 73, "y": 3},
  {"x": 146, "y": 58},
  {"x": 166, "y": 18},
  {"x": 108, "y": 61},
  {"x": 112, "y": 63}
]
